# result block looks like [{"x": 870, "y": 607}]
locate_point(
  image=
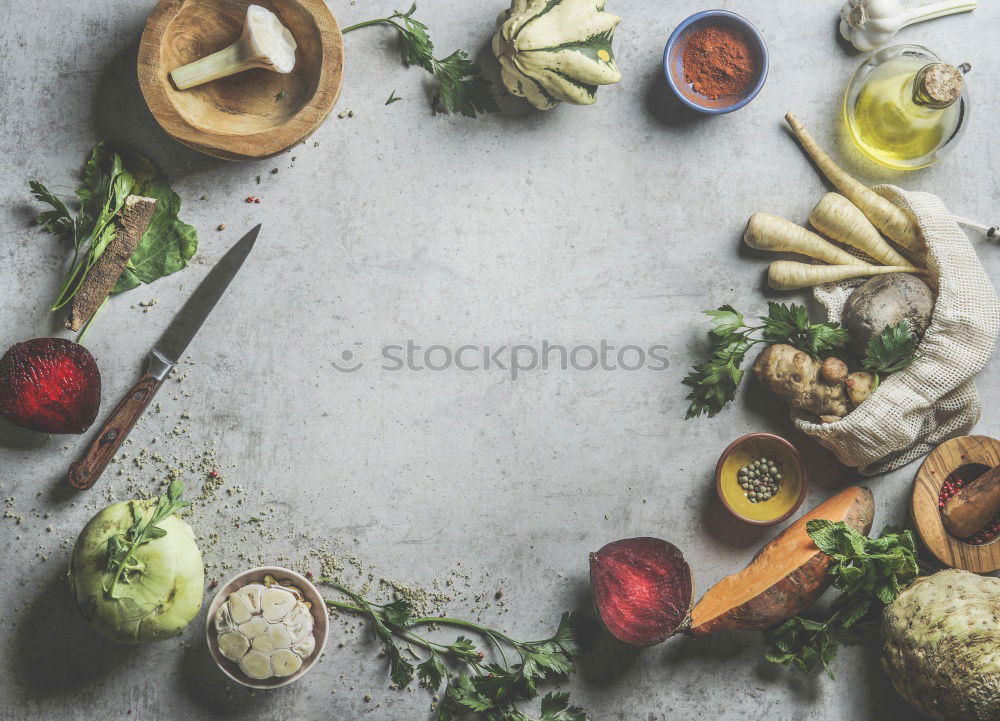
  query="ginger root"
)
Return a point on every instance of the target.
[{"x": 824, "y": 389}]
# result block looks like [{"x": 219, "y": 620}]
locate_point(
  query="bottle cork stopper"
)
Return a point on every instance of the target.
[{"x": 938, "y": 85}]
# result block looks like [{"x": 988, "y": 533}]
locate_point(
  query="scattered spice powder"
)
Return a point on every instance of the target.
[{"x": 718, "y": 62}]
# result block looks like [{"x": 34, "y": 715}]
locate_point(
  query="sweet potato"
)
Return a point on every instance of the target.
[{"x": 785, "y": 577}]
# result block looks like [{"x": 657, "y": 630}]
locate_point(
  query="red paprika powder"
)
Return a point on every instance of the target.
[{"x": 718, "y": 61}]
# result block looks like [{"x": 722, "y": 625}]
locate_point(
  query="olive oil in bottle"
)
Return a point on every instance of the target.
[{"x": 904, "y": 105}]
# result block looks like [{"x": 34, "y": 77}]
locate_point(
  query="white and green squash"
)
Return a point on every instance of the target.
[{"x": 556, "y": 50}]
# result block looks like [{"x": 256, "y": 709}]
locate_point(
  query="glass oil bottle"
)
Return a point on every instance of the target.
[{"x": 905, "y": 108}]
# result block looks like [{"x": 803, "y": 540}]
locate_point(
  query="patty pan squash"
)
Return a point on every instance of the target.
[{"x": 556, "y": 50}]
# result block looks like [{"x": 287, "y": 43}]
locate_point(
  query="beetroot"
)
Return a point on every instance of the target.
[
  {"x": 642, "y": 589},
  {"x": 50, "y": 385}
]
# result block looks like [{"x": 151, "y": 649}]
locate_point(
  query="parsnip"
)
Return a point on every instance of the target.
[
  {"x": 838, "y": 218},
  {"x": 771, "y": 232},
  {"x": 885, "y": 215},
  {"x": 789, "y": 275}
]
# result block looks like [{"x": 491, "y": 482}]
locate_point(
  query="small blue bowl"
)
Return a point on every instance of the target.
[{"x": 673, "y": 62}]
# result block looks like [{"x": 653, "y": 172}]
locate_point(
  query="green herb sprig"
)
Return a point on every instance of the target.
[
  {"x": 892, "y": 350},
  {"x": 714, "y": 382},
  {"x": 870, "y": 573},
  {"x": 492, "y": 689},
  {"x": 460, "y": 86},
  {"x": 122, "y": 546}
]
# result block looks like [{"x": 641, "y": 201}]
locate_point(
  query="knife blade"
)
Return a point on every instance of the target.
[{"x": 161, "y": 360}]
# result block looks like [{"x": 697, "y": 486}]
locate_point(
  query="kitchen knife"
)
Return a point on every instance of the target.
[{"x": 161, "y": 360}]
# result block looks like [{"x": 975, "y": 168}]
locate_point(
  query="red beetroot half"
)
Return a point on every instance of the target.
[
  {"x": 642, "y": 589},
  {"x": 50, "y": 385}
]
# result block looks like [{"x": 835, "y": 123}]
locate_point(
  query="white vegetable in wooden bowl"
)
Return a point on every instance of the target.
[{"x": 265, "y": 43}]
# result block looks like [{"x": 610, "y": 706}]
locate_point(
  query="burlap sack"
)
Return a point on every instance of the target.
[{"x": 935, "y": 398}]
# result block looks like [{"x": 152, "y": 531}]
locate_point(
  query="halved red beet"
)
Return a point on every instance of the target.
[
  {"x": 642, "y": 589},
  {"x": 50, "y": 385}
]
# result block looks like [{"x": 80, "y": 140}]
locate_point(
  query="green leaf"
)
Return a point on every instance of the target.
[
  {"x": 555, "y": 707},
  {"x": 166, "y": 246},
  {"x": 726, "y": 320},
  {"x": 431, "y": 672},
  {"x": 460, "y": 85},
  {"x": 464, "y": 649},
  {"x": 400, "y": 670},
  {"x": 894, "y": 349},
  {"x": 392, "y": 98},
  {"x": 399, "y": 613}
]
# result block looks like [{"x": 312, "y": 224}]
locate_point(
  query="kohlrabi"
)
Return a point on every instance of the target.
[{"x": 136, "y": 570}]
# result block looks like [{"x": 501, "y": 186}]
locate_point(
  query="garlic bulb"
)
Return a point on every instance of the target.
[
  {"x": 868, "y": 24},
  {"x": 267, "y": 629}
]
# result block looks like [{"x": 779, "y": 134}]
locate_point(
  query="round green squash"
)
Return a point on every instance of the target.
[{"x": 556, "y": 50}]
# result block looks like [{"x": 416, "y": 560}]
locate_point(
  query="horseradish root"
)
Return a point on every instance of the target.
[{"x": 130, "y": 225}]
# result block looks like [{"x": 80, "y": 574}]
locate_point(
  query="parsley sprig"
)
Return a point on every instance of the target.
[
  {"x": 870, "y": 573},
  {"x": 491, "y": 689},
  {"x": 714, "y": 382},
  {"x": 460, "y": 86},
  {"x": 892, "y": 350},
  {"x": 122, "y": 546}
]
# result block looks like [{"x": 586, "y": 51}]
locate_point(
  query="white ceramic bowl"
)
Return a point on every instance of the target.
[{"x": 256, "y": 575}]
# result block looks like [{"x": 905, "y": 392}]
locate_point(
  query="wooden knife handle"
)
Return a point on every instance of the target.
[{"x": 84, "y": 473}]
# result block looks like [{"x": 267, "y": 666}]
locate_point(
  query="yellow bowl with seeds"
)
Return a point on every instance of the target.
[{"x": 746, "y": 450}]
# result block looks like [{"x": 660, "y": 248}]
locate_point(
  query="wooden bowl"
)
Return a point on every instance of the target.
[
  {"x": 244, "y": 116},
  {"x": 948, "y": 457},
  {"x": 284, "y": 576},
  {"x": 793, "y": 479}
]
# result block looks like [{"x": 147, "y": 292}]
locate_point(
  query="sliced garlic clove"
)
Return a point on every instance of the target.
[
  {"x": 274, "y": 638},
  {"x": 277, "y": 603},
  {"x": 254, "y": 627},
  {"x": 256, "y": 665},
  {"x": 223, "y": 621},
  {"x": 299, "y": 622},
  {"x": 239, "y": 610},
  {"x": 305, "y": 647},
  {"x": 251, "y": 594},
  {"x": 285, "y": 662},
  {"x": 233, "y": 645}
]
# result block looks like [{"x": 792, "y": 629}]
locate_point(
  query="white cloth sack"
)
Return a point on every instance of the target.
[{"x": 935, "y": 398}]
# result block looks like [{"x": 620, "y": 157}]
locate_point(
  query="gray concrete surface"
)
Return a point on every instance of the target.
[{"x": 618, "y": 222}]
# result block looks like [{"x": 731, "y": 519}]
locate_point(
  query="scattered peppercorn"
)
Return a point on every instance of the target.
[
  {"x": 222, "y": 226},
  {"x": 249, "y": 199}
]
